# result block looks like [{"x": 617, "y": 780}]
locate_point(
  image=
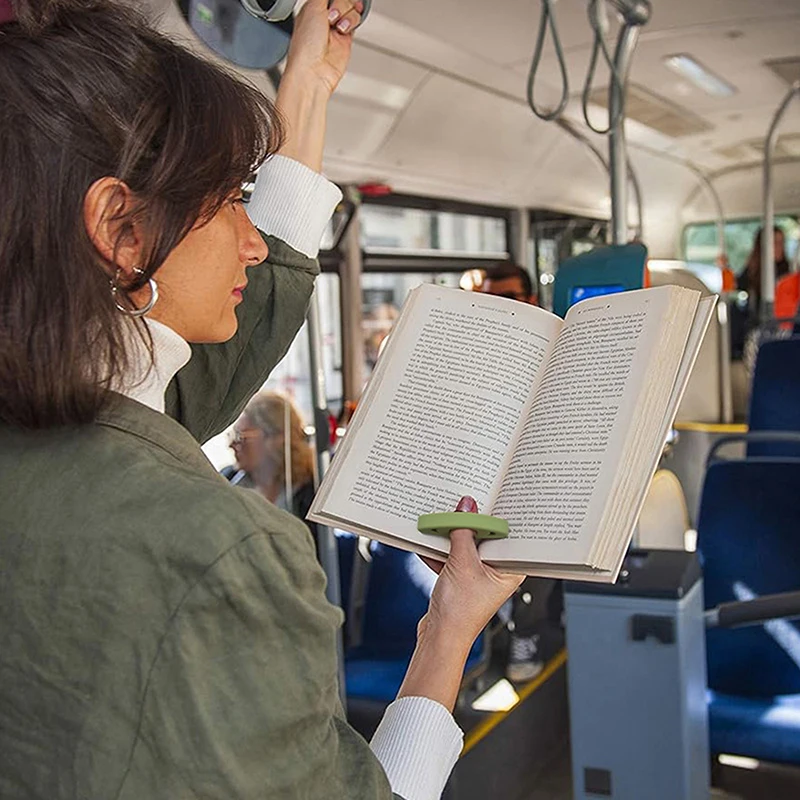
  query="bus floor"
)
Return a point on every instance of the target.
[
  {"x": 524, "y": 754},
  {"x": 512, "y": 754},
  {"x": 769, "y": 782}
]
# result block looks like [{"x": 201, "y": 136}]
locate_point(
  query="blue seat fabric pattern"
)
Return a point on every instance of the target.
[
  {"x": 397, "y": 597},
  {"x": 767, "y": 729},
  {"x": 749, "y": 538},
  {"x": 775, "y": 397}
]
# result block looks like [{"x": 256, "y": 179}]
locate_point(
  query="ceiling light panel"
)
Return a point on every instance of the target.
[{"x": 687, "y": 67}]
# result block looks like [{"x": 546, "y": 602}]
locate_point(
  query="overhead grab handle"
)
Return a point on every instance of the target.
[
  {"x": 546, "y": 20},
  {"x": 635, "y": 13}
]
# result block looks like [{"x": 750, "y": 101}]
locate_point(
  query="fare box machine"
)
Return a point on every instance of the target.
[{"x": 637, "y": 681}]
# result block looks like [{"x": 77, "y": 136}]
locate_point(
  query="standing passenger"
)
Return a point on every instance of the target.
[
  {"x": 750, "y": 279},
  {"x": 164, "y": 635}
]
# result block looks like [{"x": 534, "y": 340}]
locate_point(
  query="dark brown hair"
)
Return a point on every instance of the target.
[
  {"x": 87, "y": 90},
  {"x": 503, "y": 270}
]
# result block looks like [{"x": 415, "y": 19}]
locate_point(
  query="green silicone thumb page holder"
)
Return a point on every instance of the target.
[{"x": 484, "y": 525}]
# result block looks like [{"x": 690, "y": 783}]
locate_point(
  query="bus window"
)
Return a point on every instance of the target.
[
  {"x": 292, "y": 375},
  {"x": 382, "y": 296},
  {"x": 700, "y": 241},
  {"x": 386, "y": 228}
]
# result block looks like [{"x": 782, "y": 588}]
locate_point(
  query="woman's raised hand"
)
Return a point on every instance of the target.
[
  {"x": 468, "y": 592},
  {"x": 318, "y": 57},
  {"x": 322, "y": 41}
]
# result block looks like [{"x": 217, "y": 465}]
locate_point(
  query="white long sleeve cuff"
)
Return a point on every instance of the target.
[
  {"x": 418, "y": 744},
  {"x": 293, "y": 203}
]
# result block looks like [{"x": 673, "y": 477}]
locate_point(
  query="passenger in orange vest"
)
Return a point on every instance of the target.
[
  {"x": 728, "y": 276},
  {"x": 787, "y": 296}
]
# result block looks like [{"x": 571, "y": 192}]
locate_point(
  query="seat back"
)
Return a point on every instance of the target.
[
  {"x": 397, "y": 597},
  {"x": 664, "y": 518},
  {"x": 775, "y": 396},
  {"x": 603, "y": 270},
  {"x": 749, "y": 537}
]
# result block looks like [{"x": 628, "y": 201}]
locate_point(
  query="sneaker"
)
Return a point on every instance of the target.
[{"x": 524, "y": 659}]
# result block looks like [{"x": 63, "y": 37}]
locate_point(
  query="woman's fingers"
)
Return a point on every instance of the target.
[
  {"x": 463, "y": 547},
  {"x": 345, "y": 15}
]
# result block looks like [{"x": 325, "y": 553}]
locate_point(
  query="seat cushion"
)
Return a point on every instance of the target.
[
  {"x": 380, "y": 678},
  {"x": 763, "y": 728},
  {"x": 374, "y": 679}
]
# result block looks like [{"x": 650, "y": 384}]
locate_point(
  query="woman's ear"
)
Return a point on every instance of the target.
[{"x": 107, "y": 210}]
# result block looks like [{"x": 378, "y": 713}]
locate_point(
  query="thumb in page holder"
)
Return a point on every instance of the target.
[{"x": 484, "y": 525}]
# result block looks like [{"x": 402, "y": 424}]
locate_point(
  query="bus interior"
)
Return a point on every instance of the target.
[{"x": 540, "y": 133}]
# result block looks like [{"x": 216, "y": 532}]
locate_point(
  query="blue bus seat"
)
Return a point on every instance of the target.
[
  {"x": 397, "y": 595},
  {"x": 604, "y": 270},
  {"x": 749, "y": 538},
  {"x": 775, "y": 397}
]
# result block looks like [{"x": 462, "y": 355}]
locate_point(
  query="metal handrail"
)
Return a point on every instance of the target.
[
  {"x": 753, "y": 437},
  {"x": 725, "y": 386},
  {"x": 617, "y": 159},
  {"x": 581, "y": 137},
  {"x": 706, "y": 181},
  {"x": 757, "y": 611},
  {"x": 635, "y": 13},
  {"x": 767, "y": 242}
]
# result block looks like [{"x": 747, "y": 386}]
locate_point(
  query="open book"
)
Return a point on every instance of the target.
[{"x": 555, "y": 425}]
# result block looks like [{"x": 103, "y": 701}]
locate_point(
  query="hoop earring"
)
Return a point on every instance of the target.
[{"x": 136, "y": 312}]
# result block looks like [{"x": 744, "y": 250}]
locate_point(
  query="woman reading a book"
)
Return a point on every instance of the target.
[{"x": 164, "y": 635}]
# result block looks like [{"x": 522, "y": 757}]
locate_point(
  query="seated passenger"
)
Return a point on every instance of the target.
[
  {"x": 259, "y": 444},
  {"x": 505, "y": 279},
  {"x": 164, "y": 635}
]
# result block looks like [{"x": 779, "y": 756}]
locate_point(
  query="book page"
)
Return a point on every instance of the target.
[
  {"x": 440, "y": 413},
  {"x": 569, "y": 450},
  {"x": 705, "y": 311}
]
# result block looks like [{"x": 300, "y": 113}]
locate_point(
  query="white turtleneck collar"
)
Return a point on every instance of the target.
[{"x": 147, "y": 382}]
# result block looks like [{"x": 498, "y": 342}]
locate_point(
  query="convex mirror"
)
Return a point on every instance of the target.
[{"x": 249, "y": 33}]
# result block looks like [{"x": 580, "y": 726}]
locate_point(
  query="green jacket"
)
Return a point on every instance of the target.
[{"x": 162, "y": 634}]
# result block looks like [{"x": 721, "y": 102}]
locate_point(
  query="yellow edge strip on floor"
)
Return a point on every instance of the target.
[
  {"x": 488, "y": 725},
  {"x": 711, "y": 427}
]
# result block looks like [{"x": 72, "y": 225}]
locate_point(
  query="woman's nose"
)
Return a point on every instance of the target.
[{"x": 254, "y": 248}]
